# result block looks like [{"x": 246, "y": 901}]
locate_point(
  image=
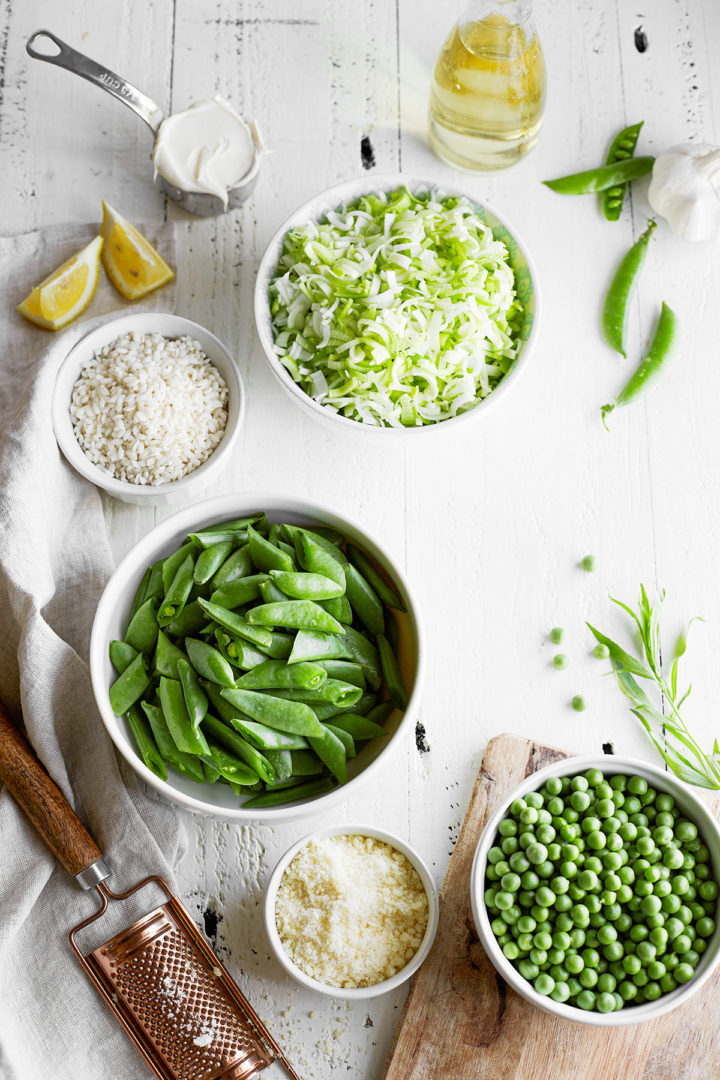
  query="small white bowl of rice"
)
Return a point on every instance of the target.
[{"x": 148, "y": 407}]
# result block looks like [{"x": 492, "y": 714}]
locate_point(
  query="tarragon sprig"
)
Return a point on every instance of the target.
[{"x": 667, "y": 730}]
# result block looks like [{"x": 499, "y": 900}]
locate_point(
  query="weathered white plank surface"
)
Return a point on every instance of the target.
[{"x": 491, "y": 527}]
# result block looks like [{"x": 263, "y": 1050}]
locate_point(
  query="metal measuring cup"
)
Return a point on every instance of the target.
[{"x": 196, "y": 202}]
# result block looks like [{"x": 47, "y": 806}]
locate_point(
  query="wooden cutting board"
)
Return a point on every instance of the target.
[{"x": 463, "y": 1022}]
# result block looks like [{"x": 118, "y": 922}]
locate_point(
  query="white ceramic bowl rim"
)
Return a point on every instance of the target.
[
  {"x": 144, "y": 553},
  {"x": 146, "y": 322},
  {"x": 400, "y": 976},
  {"x": 610, "y": 764},
  {"x": 330, "y": 199}
]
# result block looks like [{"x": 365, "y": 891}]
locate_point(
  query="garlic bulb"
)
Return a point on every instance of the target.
[{"x": 685, "y": 189}]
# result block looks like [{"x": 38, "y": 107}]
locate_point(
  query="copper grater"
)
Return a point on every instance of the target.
[{"x": 160, "y": 978}]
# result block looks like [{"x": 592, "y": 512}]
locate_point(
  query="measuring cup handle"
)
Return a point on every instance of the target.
[
  {"x": 95, "y": 73},
  {"x": 42, "y": 801}
]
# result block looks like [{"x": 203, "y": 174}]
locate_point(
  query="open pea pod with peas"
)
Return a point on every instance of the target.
[{"x": 259, "y": 656}]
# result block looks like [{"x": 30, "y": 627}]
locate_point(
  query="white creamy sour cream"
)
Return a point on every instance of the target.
[{"x": 207, "y": 148}]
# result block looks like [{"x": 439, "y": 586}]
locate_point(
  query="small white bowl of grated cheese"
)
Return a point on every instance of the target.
[
  {"x": 351, "y": 911},
  {"x": 148, "y": 406}
]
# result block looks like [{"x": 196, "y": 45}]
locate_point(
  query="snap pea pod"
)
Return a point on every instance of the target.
[
  {"x": 331, "y": 548},
  {"x": 293, "y": 716},
  {"x": 265, "y": 555},
  {"x": 276, "y": 673},
  {"x": 271, "y": 594},
  {"x": 621, "y": 148},
  {"x": 186, "y": 764},
  {"x": 176, "y": 596},
  {"x": 210, "y": 560},
  {"x": 191, "y": 619},
  {"x": 209, "y": 662},
  {"x": 187, "y": 738},
  {"x": 606, "y": 176},
  {"x": 381, "y": 712},
  {"x": 306, "y": 586},
  {"x": 130, "y": 686},
  {"x": 266, "y": 738},
  {"x": 237, "y": 525},
  {"x": 360, "y": 727},
  {"x": 364, "y": 704},
  {"x": 155, "y": 588},
  {"x": 238, "y": 592},
  {"x": 324, "y": 710},
  {"x": 210, "y": 771},
  {"x": 238, "y": 565},
  {"x": 364, "y": 601},
  {"x": 281, "y": 761},
  {"x": 142, "y": 734},
  {"x": 315, "y": 558},
  {"x": 292, "y": 794},
  {"x": 172, "y": 564},
  {"x": 295, "y": 615},
  {"x": 196, "y": 701},
  {"x": 345, "y": 738},
  {"x": 140, "y": 597},
  {"x": 652, "y": 366},
  {"x": 241, "y": 748},
  {"x": 315, "y": 645},
  {"x": 331, "y": 751},
  {"x": 365, "y": 653},
  {"x": 617, "y": 299},
  {"x": 345, "y": 670},
  {"x": 241, "y": 789},
  {"x": 166, "y": 657},
  {"x": 332, "y": 691},
  {"x": 327, "y": 533},
  {"x": 306, "y": 763},
  {"x": 241, "y": 654},
  {"x": 392, "y": 632},
  {"x": 391, "y": 672},
  {"x": 224, "y": 642},
  {"x": 121, "y": 655},
  {"x": 339, "y": 608},
  {"x": 142, "y": 629},
  {"x": 389, "y": 596},
  {"x": 230, "y": 766},
  {"x": 236, "y": 624},
  {"x": 280, "y": 645}
]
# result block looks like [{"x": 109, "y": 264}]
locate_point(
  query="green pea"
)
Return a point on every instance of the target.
[
  {"x": 560, "y": 661},
  {"x": 578, "y": 703},
  {"x": 589, "y": 563}
]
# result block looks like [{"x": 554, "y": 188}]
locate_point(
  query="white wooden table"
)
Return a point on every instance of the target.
[{"x": 490, "y": 527}]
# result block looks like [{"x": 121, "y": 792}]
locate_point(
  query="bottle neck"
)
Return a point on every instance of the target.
[{"x": 511, "y": 12}]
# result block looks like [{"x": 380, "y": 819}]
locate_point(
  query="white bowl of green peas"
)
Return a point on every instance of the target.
[
  {"x": 229, "y": 690},
  {"x": 594, "y": 890}
]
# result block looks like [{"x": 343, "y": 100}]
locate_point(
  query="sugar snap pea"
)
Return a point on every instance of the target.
[
  {"x": 166, "y": 656},
  {"x": 364, "y": 704},
  {"x": 265, "y": 555},
  {"x": 392, "y": 631},
  {"x": 606, "y": 176},
  {"x": 140, "y": 596},
  {"x": 142, "y": 629},
  {"x": 172, "y": 564},
  {"x": 237, "y": 525},
  {"x": 333, "y": 691},
  {"x": 315, "y": 558},
  {"x": 276, "y": 673},
  {"x": 293, "y": 716},
  {"x": 295, "y": 615},
  {"x": 652, "y": 366},
  {"x": 306, "y": 763},
  {"x": 389, "y": 596},
  {"x": 364, "y": 652},
  {"x": 238, "y": 592},
  {"x": 324, "y": 710},
  {"x": 237, "y": 565},
  {"x": 186, "y": 736},
  {"x": 391, "y": 672},
  {"x": 230, "y": 766},
  {"x": 345, "y": 738},
  {"x": 236, "y": 624},
  {"x": 130, "y": 686},
  {"x": 266, "y": 738},
  {"x": 360, "y": 727},
  {"x": 155, "y": 590},
  {"x": 280, "y": 645},
  {"x": 345, "y": 670},
  {"x": 381, "y": 712},
  {"x": 292, "y": 794},
  {"x": 186, "y": 764},
  {"x": 326, "y": 532},
  {"x": 191, "y": 619},
  {"x": 339, "y": 608},
  {"x": 224, "y": 641},
  {"x": 210, "y": 560},
  {"x": 281, "y": 761},
  {"x": 617, "y": 299},
  {"x": 241, "y": 654},
  {"x": 210, "y": 771},
  {"x": 196, "y": 701},
  {"x": 270, "y": 593},
  {"x": 315, "y": 645},
  {"x": 364, "y": 601},
  {"x": 145, "y": 742},
  {"x": 209, "y": 662},
  {"x": 241, "y": 748},
  {"x": 621, "y": 148},
  {"x": 306, "y": 586},
  {"x": 176, "y": 596},
  {"x": 331, "y": 752},
  {"x": 121, "y": 655}
]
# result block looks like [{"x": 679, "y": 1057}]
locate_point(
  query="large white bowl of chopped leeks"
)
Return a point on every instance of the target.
[{"x": 396, "y": 305}]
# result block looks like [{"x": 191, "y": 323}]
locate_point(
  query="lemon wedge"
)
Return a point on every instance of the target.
[
  {"x": 61, "y": 297},
  {"x": 132, "y": 264}
]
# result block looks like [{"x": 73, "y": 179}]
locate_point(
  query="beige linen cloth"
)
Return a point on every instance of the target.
[{"x": 54, "y": 563}]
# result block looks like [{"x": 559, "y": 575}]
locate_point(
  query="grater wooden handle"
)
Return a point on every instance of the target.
[{"x": 41, "y": 800}]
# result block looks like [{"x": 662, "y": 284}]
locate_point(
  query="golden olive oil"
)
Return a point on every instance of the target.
[{"x": 488, "y": 93}]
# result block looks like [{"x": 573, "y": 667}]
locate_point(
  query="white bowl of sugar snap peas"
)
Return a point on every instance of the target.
[
  {"x": 324, "y": 716},
  {"x": 636, "y": 939}
]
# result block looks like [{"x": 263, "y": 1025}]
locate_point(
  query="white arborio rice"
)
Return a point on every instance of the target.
[{"x": 149, "y": 409}]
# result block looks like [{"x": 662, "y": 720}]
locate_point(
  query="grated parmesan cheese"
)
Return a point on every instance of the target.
[{"x": 351, "y": 911}]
